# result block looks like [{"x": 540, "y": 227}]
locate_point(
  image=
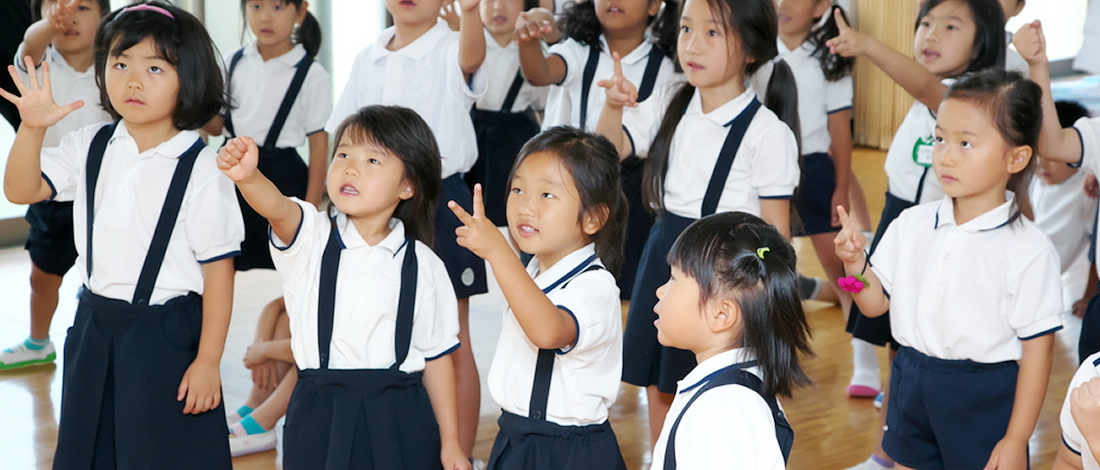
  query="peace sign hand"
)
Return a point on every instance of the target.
[
  {"x": 849, "y": 241},
  {"x": 479, "y": 234},
  {"x": 620, "y": 92},
  {"x": 849, "y": 43},
  {"x": 35, "y": 101}
]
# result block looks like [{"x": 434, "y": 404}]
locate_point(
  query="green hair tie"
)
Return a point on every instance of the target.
[{"x": 760, "y": 252}]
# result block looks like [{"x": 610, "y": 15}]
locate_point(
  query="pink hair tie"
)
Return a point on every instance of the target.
[{"x": 148, "y": 7}]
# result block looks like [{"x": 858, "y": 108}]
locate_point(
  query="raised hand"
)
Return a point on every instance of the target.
[
  {"x": 1084, "y": 405},
  {"x": 35, "y": 100},
  {"x": 1031, "y": 43},
  {"x": 532, "y": 25},
  {"x": 849, "y": 43},
  {"x": 238, "y": 158},
  {"x": 850, "y": 241},
  {"x": 61, "y": 14},
  {"x": 469, "y": 6},
  {"x": 450, "y": 15},
  {"x": 620, "y": 92},
  {"x": 479, "y": 234}
]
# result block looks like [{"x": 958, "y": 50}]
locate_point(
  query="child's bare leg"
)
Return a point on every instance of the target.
[
  {"x": 44, "y": 287},
  {"x": 467, "y": 381},
  {"x": 858, "y": 203},
  {"x": 659, "y": 403},
  {"x": 269, "y": 412},
  {"x": 273, "y": 324}
]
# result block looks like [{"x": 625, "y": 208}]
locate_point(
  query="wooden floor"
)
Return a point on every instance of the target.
[{"x": 832, "y": 431}]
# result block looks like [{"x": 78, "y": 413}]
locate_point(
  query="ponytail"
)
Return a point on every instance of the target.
[
  {"x": 781, "y": 97},
  {"x": 835, "y": 66},
  {"x": 666, "y": 29},
  {"x": 309, "y": 34},
  {"x": 656, "y": 162}
]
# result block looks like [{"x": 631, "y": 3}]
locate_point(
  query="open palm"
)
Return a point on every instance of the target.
[{"x": 35, "y": 100}]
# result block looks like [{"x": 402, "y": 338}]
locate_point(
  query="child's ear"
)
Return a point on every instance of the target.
[
  {"x": 407, "y": 190},
  {"x": 303, "y": 9},
  {"x": 725, "y": 315},
  {"x": 822, "y": 8},
  {"x": 1018, "y": 158},
  {"x": 654, "y": 7},
  {"x": 594, "y": 219}
]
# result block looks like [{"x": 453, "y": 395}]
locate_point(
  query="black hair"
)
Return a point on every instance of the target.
[
  {"x": 739, "y": 256},
  {"x": 755, "y": 25},
  {"x": 989, "y": 31},
  {"x": 1014, "y": 104},
  {"x": 405, "y": 134},
  {"x": 580, "y": 23},
  {"x": 1069, "y": 112},
  {"x": 835, "y": 66},
  {"x": 529, "y": 4},
  {"x": 593, "y": 163},
  {"x": 183, "y": 42},
  {"x": 308, "y": 33},
  {"x": 36, "y": 8}
]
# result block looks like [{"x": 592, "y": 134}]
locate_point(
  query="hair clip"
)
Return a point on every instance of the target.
[
  {"x": 856, "y": 283},
  {"x": 148, "y": 7},
  {"x": 760, "y": 252}
]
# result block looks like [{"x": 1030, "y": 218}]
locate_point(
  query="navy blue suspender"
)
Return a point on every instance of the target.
[
  {"x": 722, "y": 167},
  {"x": 228, "y": 120},
  {"x": 162, "y": 234},
  {"x": 513, "y": 93},
  {"x": 649, "y": 78},
  {"x": 301, "y": 70}
]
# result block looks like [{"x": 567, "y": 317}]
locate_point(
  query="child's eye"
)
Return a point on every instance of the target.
[
  {"x": 278, "y": 7},
  {"x": 155, "y": 69},
  {"x": 937, "y": 139},
  {"x": 548, "y": 195},
  {"x": 120, "y": 66},
  {"x": 925, "y": 24},
  {"x": 84, "y": 8},
  {"x": 374, "y": 161},
  {"x": 342, "y": 155},
  {"x": 952, "y": 27},
  {"x": 685, "y": 30},
  {"x": 966, "y": 144},
  {"x": 517, "y": 191},
  {"x": 712, "y": 33}
]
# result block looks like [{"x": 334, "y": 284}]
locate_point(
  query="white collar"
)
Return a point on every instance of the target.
[
  {"x": 173, "y": 148},
  {"x": 289, "y": 58},
  {"x": 701, "y": 374},
  {"x": 992, "y": 219},
  {"x": 417, "y": 49},
  {"x": 562, "y": 267},
  {"x": 350, "y": 238},
  {"x": 725, "y": 114}
]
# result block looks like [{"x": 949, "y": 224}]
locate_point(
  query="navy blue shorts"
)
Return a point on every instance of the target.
[
  {"x": 947, "y": 414},
  {"x": 50, "y": 241},
  {"x": 1089, "y": 343},
  {"x": 814, "y": 200},
  {"x": 466, "y": 270}
]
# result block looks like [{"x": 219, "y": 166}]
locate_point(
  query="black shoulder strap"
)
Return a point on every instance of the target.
[
  {"x": 588, "y": 79},
  {"x": 735, "y": 375},
  {"x": 91, "y": 175},
  {"x": 154, "y": 258},
  {"x": 406, "y": 304},
  {"x": 288, "y": 101},
  {"x": 652, "y": 69},
  {"x": 513, "y": 93},
  {"x": 228, "y": 121},
  {"x": 722, "y": 167}
]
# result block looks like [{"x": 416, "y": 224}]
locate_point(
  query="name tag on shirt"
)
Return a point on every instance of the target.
[{"x": 922, "y": 151}]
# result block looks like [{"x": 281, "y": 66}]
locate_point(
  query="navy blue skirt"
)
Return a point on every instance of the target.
[
  {"x": 638, "y": 223},
  {"x": 528, "y": 444},
  {"x": 814, "y": 201},
  {"x": 285, "y": 168},
  {"x": 645, "y": 361}
]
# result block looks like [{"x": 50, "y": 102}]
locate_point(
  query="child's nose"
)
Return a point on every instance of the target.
[{"x": 661, "y": 291}]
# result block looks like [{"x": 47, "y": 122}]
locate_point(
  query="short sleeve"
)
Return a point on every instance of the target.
[
  {"x": 567, "y": 50},
  {"x": 885, "y": 259},
  {"x": 292, "y": 258},
  {"x": 348, "y": 103},
  {"x": 1033, "y": 311},
  {"x": 471, "y": 90},
  {"x": 728, "y": 427},
  {"x": 838, "y": 95},
  {"x": 435, "y": 328},
  {"x": 214, "y": 228},
  {"x": 1088, "y": 130},
  {"x": 642, "y": 122},
  {"x": 1071, "y": 435},
  {"x": 775, "y": 173},
  {"x": 63, "y": 165},
  {"x": 315, "y": 100},
  {"x": 592, "y": 299}
]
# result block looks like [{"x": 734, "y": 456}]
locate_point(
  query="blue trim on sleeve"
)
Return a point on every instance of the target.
[
  {"x": 53, "y": 190},
  {"x": 219, "y": 258},
  {"x": 1082, "y": 141},
  {"x": 777, "y": 197},
  {"x": 1096, "y": 362},
  {"x": 1047, "y": 332},
  {"x": 633, "y": 148},
  {"x": 1071, "y": 449},
  {"x": 575, "y": 338},
  {"x": 566, "y": 63},
  {"x": 886, "y": 293},
  {"x": 314, "y": 132},
  {"x": 301, "y": 221},
  {"x": 846, "y": 108},
  {"x": 444, "y": 353}
]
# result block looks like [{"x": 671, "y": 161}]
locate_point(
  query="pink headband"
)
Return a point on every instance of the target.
[{"x": 148, "y": 7}]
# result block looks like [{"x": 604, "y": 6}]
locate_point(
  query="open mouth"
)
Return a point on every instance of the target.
[
  {"x": 349, "y": 190},
  {"x": 526, "y": 230},
  {"x": 694, "y": 67},
  {"x": 930, "y": 55}
]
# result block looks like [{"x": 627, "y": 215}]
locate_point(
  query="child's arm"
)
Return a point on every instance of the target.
[
  {"x": 40, "y": 34},
  {"x": 264, "y": 351},
  {"x": 850, "y": 243},
  {"x": 620, "y": 92},
  {"x": 1082, "y": 304},
  {"x": 1084, "y": 405},
  {"x": 23, "y": 181},
  {"x": 318, "y": 167},
  {"x": 539, "y": 70},
  {"x": 912, "y": 76},
  {"x": 201, "y": 384},
  {"x": 238, "y": 159},
  {"x": 471, "y": 46},
  {"x": 1055, "y": 143},
  {"x": 439, "y": 380},
  {"x": 546, "y": 325},
  {"x": 840, "y": 131},
  {"x": 778, "y": 213},
  {"x": 1031, "y": 388}
]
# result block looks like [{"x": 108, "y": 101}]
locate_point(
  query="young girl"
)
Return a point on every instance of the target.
[
  {"x": 373, "y": 319},
  {"x": 595, "y": 31},
  {"x": 733, "y": 300},
  {"x": 968, "y": 280},
  {"x": 557, "y": 363},
  {"x": 503, "y": 116},
  {"x": 64, "y": 36},
  {"x": 714, "y": 129},
  {"x": 141, "y": 359},
  {"x": 421, "y": 64}
]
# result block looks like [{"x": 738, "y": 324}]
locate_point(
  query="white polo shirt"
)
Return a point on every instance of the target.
[
  {"x": 499, "y": 68},
  {"x": 817, "y": 96},
  {"x": 1071, "y": 435},
  {"x": 67, "y": 86},
  {"x": 586, "y": 376},
  {"x": 575, "y": 56},
  {"x": 367, "y": 289},
  {"x": 730, "y": 426},
  {"x": 970, "y": 291},
  {"x": 1065, "y": 213},
  {"x": 910, "y": 156},
  {"x": 257, "y": 89},
  {"x": 426, "y": 77},
  {"x": 129, "y": 196},
  {"x": 765, "y": 166}
]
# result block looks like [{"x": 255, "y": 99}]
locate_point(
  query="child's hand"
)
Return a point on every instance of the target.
[
  {"x": 450, "y": 15},
  {"x": 453, "y": 458},
  {"x": 620, "y": 92},
  {"x": 479, "y": 235},
  {"x": 35, "y": 100},
  {"x": 1008, "y": 454},
  {"x": 61, "y": 13},
  {"x": 850, "y": 240},
  {"x": 1084, "y": 405},
  {"x": 1092, "y": 186},
  {"x": 238, "y": 158},
  {"x": 265, "y": 376},
  {"x": 849, "y": 43},
  {"x": 533, "y": 25},
  {"x": 202, "y": 386},
  {"x": 469, "y": 6},
  {"x": 1030, "y": 43},
  {"x": 255, "y": 354}
]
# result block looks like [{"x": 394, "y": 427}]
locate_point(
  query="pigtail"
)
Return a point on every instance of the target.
[
  {"x": 835, "y": 66},
  {"x": 580, "y": 23},
  {"x": 309, "y": 34},
  {"x": 666, "y": 29},
  {"x": 781, "y": 97},
  {"x": 656, "y": 162}
]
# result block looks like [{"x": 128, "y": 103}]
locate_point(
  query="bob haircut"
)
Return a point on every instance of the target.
[
  {"x": 183, "y": 42},
  {"x": 989, "y": 31}
]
